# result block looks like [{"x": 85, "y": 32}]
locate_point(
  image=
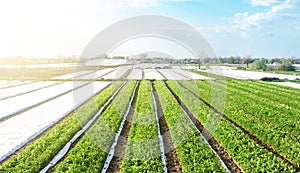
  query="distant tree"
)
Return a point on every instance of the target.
[
  {"x": 247, "y": 60},
  {"x": 230, "y": 60},
  {"x": 275, "y": 60},
  {"x": 237, "y": 60},
  {"x": 223, "y": 60},
  {"x": 287, "y": 64},
  {"x": 258, "y": 65},
  {"x": 214, "y": 60}
]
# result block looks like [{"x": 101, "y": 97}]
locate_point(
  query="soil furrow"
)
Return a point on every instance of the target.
[
  {"x": 245, "y": 131},
  {"x": 173, "y": 164},
  {"x": 115, "y": 164},
  {"x": 52, "y": 165},
  {"x": 215, "y": 145}
]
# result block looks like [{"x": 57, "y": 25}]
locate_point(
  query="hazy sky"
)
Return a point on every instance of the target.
[{"x": 48, "y": 28}]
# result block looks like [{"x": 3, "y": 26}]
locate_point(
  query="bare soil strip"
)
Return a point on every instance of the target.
[
  {"x": 173, "y": 164},
  {"x": 106, "y": 74},
  {"x": 162, "y": 74},
  {"x": 245, "y": 131},
  {"x": 143, "y": 74},
  {"x": 115, "y": 164},
  {"x": 222, "y": 153},
  {"x": 125, "y": 75}
]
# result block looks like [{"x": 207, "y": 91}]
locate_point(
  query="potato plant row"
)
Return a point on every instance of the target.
[
  {"x": 142, "y": 149},
  {"x": 285, "y": 90},
  {"x": 90, "y": 152},
  {"x": 275, "y": 94},
  {"x": 251, "y": 156},
  {"x": 276, "y": 102},
  {"x": 193, "y": 153},
  {"x": 286, "y": 144},
  {"x": 264, "y": 106},
  {"x": 283, "y": 116},
  {"x": 37, "y": 155}
]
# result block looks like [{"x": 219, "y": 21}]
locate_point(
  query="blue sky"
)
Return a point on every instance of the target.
[{"x": 48, "y": 28}]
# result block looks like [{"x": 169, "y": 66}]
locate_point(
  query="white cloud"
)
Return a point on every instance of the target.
[
  {"x": 288, "y": 4},
  {"x": 264, "y": 2},
  {"x": 246, "y": 21}
]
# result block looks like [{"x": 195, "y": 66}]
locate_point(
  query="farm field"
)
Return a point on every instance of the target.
[
  {"x": 148, "y": 118},
  {"x": 243, "y": 74}
]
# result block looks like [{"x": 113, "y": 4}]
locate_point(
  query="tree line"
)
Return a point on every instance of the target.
[{"x": 252, "y": 63}]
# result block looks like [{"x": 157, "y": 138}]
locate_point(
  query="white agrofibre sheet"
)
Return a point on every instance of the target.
[
  {"x": 8, "y": 83},
  {"x": 96, "y": 74},
  {"x": 3, "y": 82},
  {"x": 153, "y": 74},
  {"x": 13, "y": 91},
  {"x": 73, "y": 75},
  {"x": 20, "y": 103},
  {"x": 289, "y": 84},
  {"x": 135, "y": 74},
  {"x": 13, "y": 84},
  {"x": 190, "y": 74},
  {"x": 169, "y": 74},
  {"x": 117, "y": 74},
  {"x": 241, "y": 74},
  {"x": 19, "y": 130}
]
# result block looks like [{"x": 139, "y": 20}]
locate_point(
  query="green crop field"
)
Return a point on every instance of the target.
[{"x": 256, "y": 130}]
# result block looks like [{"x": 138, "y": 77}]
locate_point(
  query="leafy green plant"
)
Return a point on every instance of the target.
[
  {"x": 37, "y": 155},
  {"x": 194, "y": 154},
  {"x": 238, "y": 144},
  {"x": 90, "y": 152},
  {"x": 142, "y": 148}
]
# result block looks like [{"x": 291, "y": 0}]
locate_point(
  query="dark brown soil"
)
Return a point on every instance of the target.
[
  {"x": 162, "y": 74},
  {"x": 143, "y": 74},
  {"x": 52, "y": 169},
  {"x": 115, "y": 164},
  {"x": 173, "y": 164},
  {"x": 245, "y": 131},
  {"x": 224, "y": 155}
]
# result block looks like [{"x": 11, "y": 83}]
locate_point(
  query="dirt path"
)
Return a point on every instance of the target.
[
  {"x": 173, "y": 164},
  {"x": 115, "y": 164},
  {"x": 245, "y": 131},
  {"x": 222, "y": 153}
]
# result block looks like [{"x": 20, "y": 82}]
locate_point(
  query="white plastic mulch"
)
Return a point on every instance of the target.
[
  {"x": 289, "y": 84},
  {"x": 153, "y": 74},
  {"x": 72, "y": 75},
  {"x": 18, "y": 130},
  {"x": 12, "y": 91},
  {"x": 241, "y": 74},
  {"x": 135, "y": 74},
  {"x": 16, "y": 104}
]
